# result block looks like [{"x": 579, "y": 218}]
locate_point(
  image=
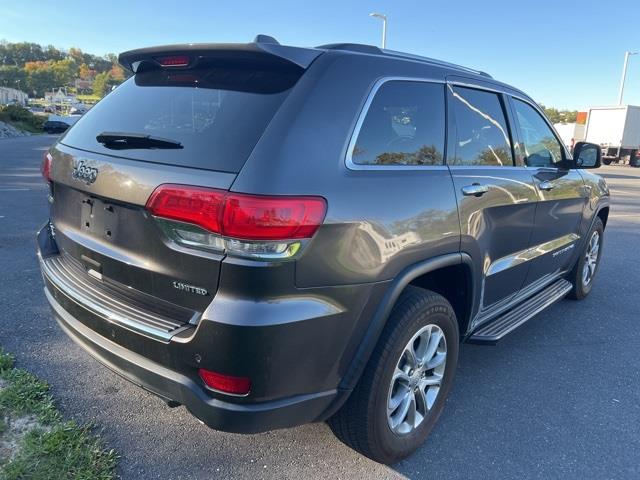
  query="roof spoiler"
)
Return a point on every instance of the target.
[{"x": 262, "y": 48}]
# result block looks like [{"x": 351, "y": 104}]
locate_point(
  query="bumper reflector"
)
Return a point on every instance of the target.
[{"x": 225, "y": 383}]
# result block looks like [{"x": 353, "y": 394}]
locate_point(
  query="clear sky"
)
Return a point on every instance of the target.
[{"x": 564, "y": 53}]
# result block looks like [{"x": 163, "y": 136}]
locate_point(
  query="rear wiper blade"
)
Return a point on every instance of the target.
[{"x": 123, "y": 141}]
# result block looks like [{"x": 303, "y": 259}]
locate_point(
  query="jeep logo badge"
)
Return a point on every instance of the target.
[{"x": 83, "y": 172}]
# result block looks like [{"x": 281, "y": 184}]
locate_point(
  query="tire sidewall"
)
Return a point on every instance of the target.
[
  {"x": 581, "y": 289},
  {"x": 399, "y": 446}
]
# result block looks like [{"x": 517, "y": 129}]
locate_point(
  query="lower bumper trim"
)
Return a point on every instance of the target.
[{"x": 175, "y": 387}]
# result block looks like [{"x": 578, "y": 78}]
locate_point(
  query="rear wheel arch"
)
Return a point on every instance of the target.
[{"x": 421, "y": 274}]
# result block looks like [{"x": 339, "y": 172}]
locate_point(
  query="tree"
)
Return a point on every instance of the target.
[
  {"x": 40, "y": 80},
  {"x": 12, "y": 76},
  {"x": 64, "y": 71},
  {"x": 100, "y": 83},
  {"x": 559, "y": 116},
  {"x": 86, "y": 73}
]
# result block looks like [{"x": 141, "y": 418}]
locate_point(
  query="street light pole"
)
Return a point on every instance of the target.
[
  {"x": 624, "y": 74},
  {"x": 384, "y": 27}
]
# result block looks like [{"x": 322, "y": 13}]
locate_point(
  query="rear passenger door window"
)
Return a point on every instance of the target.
[
  {"x": 482, "y": 137},
  {"x": 403, "y": 126},
  {"x": 542, "y": 148}
]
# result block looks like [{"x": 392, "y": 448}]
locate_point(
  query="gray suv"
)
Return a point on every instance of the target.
[{"x": 271, "y": 235}]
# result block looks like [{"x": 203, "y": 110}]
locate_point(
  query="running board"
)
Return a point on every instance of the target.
[{"x": 508, "y": 322}]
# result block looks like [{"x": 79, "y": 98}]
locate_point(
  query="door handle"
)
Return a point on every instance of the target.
[
  {"x": 475, "y": 190},
  {"x": 546, "y": 185}
]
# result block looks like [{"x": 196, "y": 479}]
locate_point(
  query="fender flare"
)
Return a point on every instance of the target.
[{"x": 379, "y": 319}]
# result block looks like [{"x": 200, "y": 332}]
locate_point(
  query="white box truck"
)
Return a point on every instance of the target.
[
  {"x": 617, "y": 130},
  {"x": 570, "y": 133}
]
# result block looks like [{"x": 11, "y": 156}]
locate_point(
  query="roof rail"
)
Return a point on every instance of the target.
[{"x": 370, "y": 49}]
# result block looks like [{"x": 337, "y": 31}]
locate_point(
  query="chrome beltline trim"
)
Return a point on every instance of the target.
[{"x": 529, "y": 254}]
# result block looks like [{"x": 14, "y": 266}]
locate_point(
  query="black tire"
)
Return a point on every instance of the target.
[
  {"x": 362, "y": 421},
  {"x": 580, "y": 288}
]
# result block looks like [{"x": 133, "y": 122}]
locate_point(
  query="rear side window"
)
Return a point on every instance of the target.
[
  {"x": 540, "y": 144},
  {"x": 404, "y": 125},
  {"x": 482, "y": 137},
  {"x": 216, "y": 112}
]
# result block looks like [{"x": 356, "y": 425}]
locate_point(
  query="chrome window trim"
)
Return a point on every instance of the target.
[
  {"x": 350, "y": 164},
  {"x": 524, "y": 99},
  {"x": 567, "y": 153},
  {"x": 504, "y": 105}
]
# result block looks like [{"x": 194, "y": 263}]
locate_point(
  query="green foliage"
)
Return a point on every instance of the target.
[
  {"x": 24, "y": 395},
  {"x": 100, "y": 84},
  {"x": 35, "y": 69},
  {"x": 65, "y": 451},
  {"x": 52, "y": 448},
  {"x": 21, "y": 118},
  {"x": 6, "y": 361},
  {"x": 560, "y": 116}
]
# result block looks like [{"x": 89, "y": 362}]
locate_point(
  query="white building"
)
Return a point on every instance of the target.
[
  {"x": 11, "y": 95},
  {"x": 59, "y": 97}
]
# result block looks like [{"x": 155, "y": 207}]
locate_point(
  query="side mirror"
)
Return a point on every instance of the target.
[{"x": 587, "y": 155}]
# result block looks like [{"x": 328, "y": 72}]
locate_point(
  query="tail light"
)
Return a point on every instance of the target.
[
  {"x": 245, "y": 225},
  {"x": 225, "y": 383},
  {"x": 45, "y": 168}
]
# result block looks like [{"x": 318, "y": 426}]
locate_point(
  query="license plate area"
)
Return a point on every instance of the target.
[{"x": 99, "y": 218}]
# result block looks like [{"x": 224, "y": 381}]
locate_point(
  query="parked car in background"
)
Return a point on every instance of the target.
[
  {"x": 54, "y": 126},
  {"x": 272, "y": 235}
]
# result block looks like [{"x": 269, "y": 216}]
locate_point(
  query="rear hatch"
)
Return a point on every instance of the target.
[{"x": 188, "y": 116}]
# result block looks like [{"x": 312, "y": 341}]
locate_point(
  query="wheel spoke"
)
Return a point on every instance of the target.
[
  {"x": 411, "y": 413},
  {"x": 434, "y": 341},
  {"x": 403, "y": 410},
  {"x": 396, "y": 400},
  {"x": 429, "y": 381},
  {"x": 436, "y": 361},
  {"x": 421, "y": 398},
  {"x": 399, "y": 375},
  {"x": 431, "y": 395},
  {"x": 415, "y": 384},
  {"x": 412, "y": 358}
]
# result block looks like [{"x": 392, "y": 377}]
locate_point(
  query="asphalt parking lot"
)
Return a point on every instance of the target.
[{"x": 558, "y": 398}]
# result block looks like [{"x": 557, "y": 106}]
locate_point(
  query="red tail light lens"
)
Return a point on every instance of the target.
[
  {"x": 241, "y": 216},
  {"x": 45, "y": 168},
  {"x": 200, "y": 206},
  {"x": 272, "y": 218},
  {"x": 173, "y": 61},
  {"x": 225, "y": 383}
]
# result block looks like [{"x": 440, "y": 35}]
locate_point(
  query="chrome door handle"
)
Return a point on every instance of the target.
[
  {"x": 475, "y": 190},
  {"x": 546, "y": 186}
]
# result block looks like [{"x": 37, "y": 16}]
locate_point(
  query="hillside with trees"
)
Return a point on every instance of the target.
[{"x": 36, "y": 69}]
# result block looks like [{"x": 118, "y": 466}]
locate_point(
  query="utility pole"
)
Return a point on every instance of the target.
[
  {"x": 624, "y": 75},
  {"x": 384, "y": 27}
]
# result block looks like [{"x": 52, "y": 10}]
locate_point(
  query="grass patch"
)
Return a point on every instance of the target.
[{"x": 35, "y": 442}]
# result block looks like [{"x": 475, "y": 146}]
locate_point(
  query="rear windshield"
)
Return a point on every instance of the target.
[{"x": 216, "y": 112}]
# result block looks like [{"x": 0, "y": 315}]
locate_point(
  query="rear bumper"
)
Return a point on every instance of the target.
[
  {"x": 282, "y": 396},
  {"x": 171, "y": 385}
]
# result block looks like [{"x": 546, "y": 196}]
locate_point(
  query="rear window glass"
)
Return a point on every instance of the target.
[{"x": 216, "y": 113}]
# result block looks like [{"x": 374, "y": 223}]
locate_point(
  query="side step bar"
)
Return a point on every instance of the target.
[{"x": 509, "y": 321}]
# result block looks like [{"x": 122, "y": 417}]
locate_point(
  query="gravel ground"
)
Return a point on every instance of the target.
[{"x": 558, "y": 398}]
